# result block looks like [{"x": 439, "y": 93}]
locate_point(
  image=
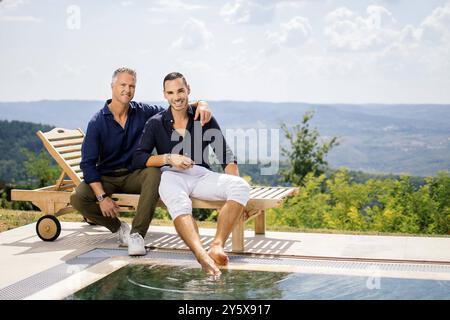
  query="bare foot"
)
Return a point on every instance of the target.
[
  {"x": 208, "y": 265},
  {"x": 218, "y": 255}
]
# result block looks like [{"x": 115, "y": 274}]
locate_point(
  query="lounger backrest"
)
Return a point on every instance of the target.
[{"x": 65, "y": 147}]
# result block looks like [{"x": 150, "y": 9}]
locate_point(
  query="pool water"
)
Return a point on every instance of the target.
[{"x": 164, "y": 282}]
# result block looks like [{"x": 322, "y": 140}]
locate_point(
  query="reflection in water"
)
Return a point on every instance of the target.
[
  {"x": 160, "y": 282},
  {"x": 173, "y": 282}
]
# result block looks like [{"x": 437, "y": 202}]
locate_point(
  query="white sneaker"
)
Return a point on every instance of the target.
[
  {"x": 123, "y": 234},
  {"x": 136, "y": 246}
]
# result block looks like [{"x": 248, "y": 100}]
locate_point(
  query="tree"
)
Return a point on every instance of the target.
[
  {"x": 305, "y": 154},
  {"x": 40, "y": 167}
]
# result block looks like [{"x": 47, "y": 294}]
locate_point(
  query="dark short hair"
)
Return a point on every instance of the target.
[{"x": 173, "y": 76}]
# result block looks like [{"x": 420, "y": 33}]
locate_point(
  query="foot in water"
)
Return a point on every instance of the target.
[
  {"x": 218, "y": 255},
  {"x": 208, "y": 265}
]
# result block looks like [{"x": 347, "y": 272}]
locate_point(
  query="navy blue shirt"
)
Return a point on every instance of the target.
[
  {"x": 159, "y": 133},
  {"x": 107, "y": 146}
]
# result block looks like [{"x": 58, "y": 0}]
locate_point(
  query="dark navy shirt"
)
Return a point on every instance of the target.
[
  {"x": 159, "y": 133},
  {"x": 107, "y": 146}
]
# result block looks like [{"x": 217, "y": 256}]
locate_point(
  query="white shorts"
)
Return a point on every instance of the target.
[{"x": 198, "y": 182}]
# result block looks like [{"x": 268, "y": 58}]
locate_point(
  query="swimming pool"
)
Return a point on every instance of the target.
[
  {"x": 175, "y": 274},
  {"x": 272, "y": 279}
]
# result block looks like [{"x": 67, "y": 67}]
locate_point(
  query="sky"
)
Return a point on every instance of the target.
[{"x": 330, "y": 51}]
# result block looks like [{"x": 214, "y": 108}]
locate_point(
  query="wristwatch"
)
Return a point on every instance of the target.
[{"x": 101, "y": 197}]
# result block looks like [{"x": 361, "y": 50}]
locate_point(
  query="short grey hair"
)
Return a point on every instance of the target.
[{"x": 123, "y": 70}]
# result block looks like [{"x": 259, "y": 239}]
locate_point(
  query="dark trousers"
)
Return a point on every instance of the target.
[{"x": 144, "y": 182}]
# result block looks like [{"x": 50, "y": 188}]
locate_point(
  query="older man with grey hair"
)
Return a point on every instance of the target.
[{"x": 111, "y": 139}]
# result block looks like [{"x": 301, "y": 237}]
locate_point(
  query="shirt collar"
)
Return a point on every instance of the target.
[
  {"x": 168, "y": 117},
  {"x": 106, "y": 111}
]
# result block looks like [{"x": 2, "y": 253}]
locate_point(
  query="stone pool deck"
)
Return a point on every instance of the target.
[{"x": 23, "y": 254}]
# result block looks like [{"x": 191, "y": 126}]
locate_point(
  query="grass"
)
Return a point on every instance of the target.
[{"x": 10, "y": 219}]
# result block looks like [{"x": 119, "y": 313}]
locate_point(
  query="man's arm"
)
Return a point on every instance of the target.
[
  {"x": 202, "y": 110},
  {"x": 145, "y": 147},
  {"x": 143, "y": 155},
  {"x": 222, "y": 150},
  {"x": 90, "y": 152},
  {"x": 89, "y": 157},
  {"x": 175, "y": 160}
]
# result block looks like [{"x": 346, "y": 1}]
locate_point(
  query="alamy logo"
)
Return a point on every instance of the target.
[{"x": 251, "y": 146}]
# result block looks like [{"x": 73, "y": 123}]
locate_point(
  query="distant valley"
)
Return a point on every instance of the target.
[{"x": 412, "y": 139}]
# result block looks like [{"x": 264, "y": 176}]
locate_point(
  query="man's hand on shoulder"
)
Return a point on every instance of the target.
[{"x": 203, "y": 112}]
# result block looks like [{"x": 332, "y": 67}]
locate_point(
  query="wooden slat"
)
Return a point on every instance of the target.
[
  {"x": 59, "y": 159},
  {"x": 76, "y": 169},
  {"x": 263, "y": 204},
  {"x": 253, "y": 190},
  {"x": 286, "y": 193},
  {"x": 61, "y": 133},
  {"x": 276, "y": 193},
  {"x": 69, "y": 149},
  {"x": 266, "y": 193},
  {"x": 67, "y": 142},
  {"x": 255, "y": 195},
  {"x": 66, "y": 137},
  {"x": 73, "y": 162},
  {"x": 71, "y": 155},
  {"x": 35, "y": 195}
]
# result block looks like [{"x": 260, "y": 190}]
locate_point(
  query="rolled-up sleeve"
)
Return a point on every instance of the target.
[
  {"x": 90, "y": 154},
  {"x": 145, "y": 147}
]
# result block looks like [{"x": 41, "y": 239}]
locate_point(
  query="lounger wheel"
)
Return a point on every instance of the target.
[
  {"x": 48, "y": 228},
  {"x": 89, "y": 221}
]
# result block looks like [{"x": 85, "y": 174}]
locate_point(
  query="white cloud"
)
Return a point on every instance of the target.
[
  {"x": 292, "y": 33},
  {"x": 198, "y": 66},
  {"x": 126, "y": 3},
  {"x": 347, "y": 30},
  {"x": 28, "y": 72},
  {"x": 340, "y": 14},
  {"x": 242, "y": 62},
  {"x": 425, "y": 47},
  {"x": 12, "y": 4},
  {"x": 238, "y": 41},
  {"x": 436, "y": 26},
  {"x": 248, "y": 11},
  {"x": 410, "y": 35},
  {"x": 20, "y": 19},
  {"x": 8, "y": 7},
  {"x": 174, "y": 5},
  {"x": 69, "y": 72},
  {"x": 290, "y": 4},
  {"x": 157, "y": 21},
  {"x": 195, "y": 35}
]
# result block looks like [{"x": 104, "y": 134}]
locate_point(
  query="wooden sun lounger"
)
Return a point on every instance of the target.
[{"x": 65, "y": 147}]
